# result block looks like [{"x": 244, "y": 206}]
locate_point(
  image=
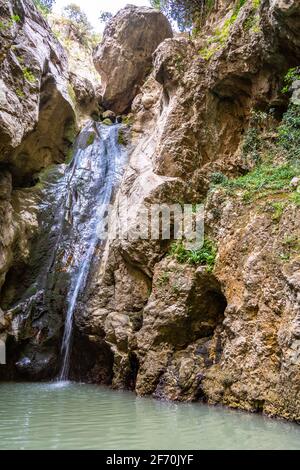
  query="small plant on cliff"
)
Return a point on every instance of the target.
[
  {"x": 252, "y": 143},
  {"x": 278, "y": 209},
  {"x": 20, "y": 93},
  {"x": 163, "y": 279},
  {"x": 289, "y": 133},
  {"x": 122, "y": 139},
  {"x": 220, "y": 35},
  {"x": 204, "y": 256},
  {"x": 218, "y": 178},
  {"x": 251, "y": 146},
  {"x": 7, "y": 24},
  {"x": 91, "y": 139},
  {"x": 44, "y": 6},
  {"x": 28, "y": 75}
]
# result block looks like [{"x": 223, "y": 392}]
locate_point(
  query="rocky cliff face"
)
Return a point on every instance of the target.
[
  {"x": 123, "y": 59},
  {"x": 84, "y": 81},
  {"x": 176, "y": 330},
  {"x": 212, "y": 125},
  {"x": 37, "y": 128}
]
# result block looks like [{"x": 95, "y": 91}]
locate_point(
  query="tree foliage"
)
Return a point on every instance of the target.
[
  {"x": 74, "y": 13},
  {"x": 186, "y": 13},
  {"x": 45, "y": 6}
]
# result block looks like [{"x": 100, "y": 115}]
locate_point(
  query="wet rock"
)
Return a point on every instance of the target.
[
  {"x": 124, "y": 57},
  {"x": 83, "y": 89},
  {"x": 107, "y": 122}
]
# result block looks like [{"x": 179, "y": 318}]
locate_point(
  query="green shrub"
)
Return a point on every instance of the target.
[
  {"x": 204, "y": 256},
  {"x": 218, "y": 178},
  {"x": 20, "y": 93},
  {"x": 163, "y": 279},
  {"x": 91, "y": 139},
  {"x": 122, "y": 140},
  {"x": 295, "y": 198},
  {"x": 7, "y": 24},
  {"x": 251, "y": 145},
  {"x": 28, "y": 75},
  {"x": 107, "y": 122},
  {"x": 292, "y": 75},
  {"x": 278, "y": 208}
]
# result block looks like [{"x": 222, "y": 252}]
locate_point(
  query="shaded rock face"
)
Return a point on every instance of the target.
[
  {"x": 36, "y": 117},
  {"x": 175, "y": 331},
  {"x": 123, "y": 59},
  {"x": 37, "y": 128}
]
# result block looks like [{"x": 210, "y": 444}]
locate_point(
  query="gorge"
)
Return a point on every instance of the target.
[{"x": 152, "y": 116}]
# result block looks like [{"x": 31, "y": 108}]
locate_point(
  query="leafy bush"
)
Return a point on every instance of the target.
[
  {"x": 122, "y": 139},
  {"x": 204, "y": 256},
  {"x": 44, "y": 6},
  {"x": 220, "y": 36},
  {"x": 292, "y": 75},
  {"x": 251, "y": 145},
  {"x": 28, "y": 75},
  {"x": 289, "y": 133},
  {"x": 7, "y": 24},
  {"x": 91, "y": 139}
]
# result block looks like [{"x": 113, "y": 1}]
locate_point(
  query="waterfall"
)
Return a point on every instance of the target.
[
  {"x": 72, "y": 201},
  {"x": 95, "y": 172}
]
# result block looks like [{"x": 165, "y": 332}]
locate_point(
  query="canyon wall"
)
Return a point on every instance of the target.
[
  {"x": 179, "y": 330},
  {"x": 37, "y": 130},
  {"x": 210, "y": 123}
]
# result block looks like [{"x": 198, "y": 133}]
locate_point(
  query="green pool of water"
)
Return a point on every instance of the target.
[{"x": 79, "y": 416}]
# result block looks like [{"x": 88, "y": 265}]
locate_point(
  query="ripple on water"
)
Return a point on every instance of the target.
[{"x": 65, "y": 415}]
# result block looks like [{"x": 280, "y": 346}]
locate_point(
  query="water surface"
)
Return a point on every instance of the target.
[{"x": 79, "y": 416}]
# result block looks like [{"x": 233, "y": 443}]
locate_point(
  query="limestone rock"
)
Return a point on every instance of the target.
[
  {"x": 124, "y": 57},
  {"x": 33, "y": 91},
  {"x": 85, "y": 82},
  {"x": 231, "y": 336}
]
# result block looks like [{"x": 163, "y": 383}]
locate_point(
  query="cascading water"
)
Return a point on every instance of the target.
[
  {"x": 95, "y": 172},
  {"x": 73, "y": 202}
]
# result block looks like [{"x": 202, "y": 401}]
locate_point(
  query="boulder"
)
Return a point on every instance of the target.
[{"x": 124, "y": 58}]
